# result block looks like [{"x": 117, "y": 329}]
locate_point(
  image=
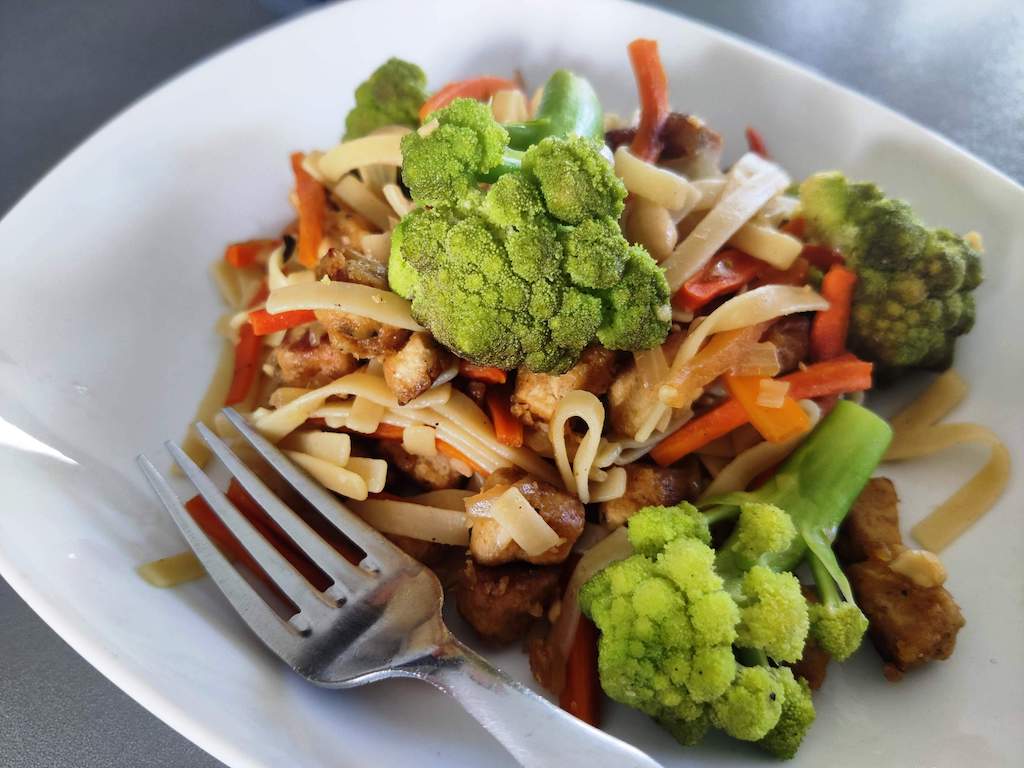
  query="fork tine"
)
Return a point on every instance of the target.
[
  {"x": 280, "y": 571},
  {"x": 377, "y": 548},
  {"x": 280, "y": 636},
  {"x": 321, "y": 553}
]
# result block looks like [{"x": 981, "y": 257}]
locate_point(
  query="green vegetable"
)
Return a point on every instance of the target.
[
  {"x": 914, "y": 293},
  {"x": 694, "y": 637},
  {"x": 392, "y": 95},
  {"x": 533, "y": 270},
  {"x": 568, "y": 107},
  {"x": 816, "y": 486},
  {"x": 669, "y": 621}
]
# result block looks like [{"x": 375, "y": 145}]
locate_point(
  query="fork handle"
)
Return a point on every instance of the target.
[{"x": 537, "y": 733}]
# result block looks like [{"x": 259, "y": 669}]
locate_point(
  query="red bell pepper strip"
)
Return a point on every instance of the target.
[
  {"x": 263, "y": 322},
  {"x": 756, "y": 143},
  {"x": 727, "y": 272},
  {"x": 247, "y": 360},
  {"x": 581, "y": 695}
]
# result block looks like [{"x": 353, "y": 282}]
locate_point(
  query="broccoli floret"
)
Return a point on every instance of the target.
[
  {"x": 392, "y": 95},
  {"x": 837, "y": 624},
  {"x": 498, "y": 276},
  {"x": 913, "y": 296},
  {"x": 669, "y": 622},
  {"x": 797, "y": 716}
]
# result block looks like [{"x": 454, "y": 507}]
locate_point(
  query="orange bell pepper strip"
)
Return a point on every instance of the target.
[
  {"x": 263, "y": 322},
  {"x": 507, "y": 428},
  {"x": 652, "y": 88},
  {"x": 832, "y": 377},
  {"x": 486, "y": 374},
  {"x": 246, "y": 254},
  {"x": 247, "y": 360},
  {"x": 581, "y": 695},
  {"x": 830, "y": 326},
  {"x": 774, "y": 424},
  {"x": 479, "y": 88},
  {"x": 312, "y": 211}
]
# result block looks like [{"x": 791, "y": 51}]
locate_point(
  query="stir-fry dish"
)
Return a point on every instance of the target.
[{"x": 610, "y": 389}]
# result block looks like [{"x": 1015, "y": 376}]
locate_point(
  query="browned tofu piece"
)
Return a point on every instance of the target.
[
  {"x": 564, "y": 513},
  {"x": 411, "y": 371},
  {"x": 627, "y": 410},
  {"x": 346, "y": 228},
  {"x": 813, "y": 664},
  {"x": 652, "y": 486},
  {"x": 361, "y": 336},
  {"x": 501, "y": 603},
  {"x": 304, "y": 364},
  {"x": 348, "y": 266},
  {"x": 537, "y": 394},
  {"x": 791, "y": 336},
  {"x": 432, "y": 472},
  {"x": 871, "y": 530},
  {"x": 909, "y": 624}
]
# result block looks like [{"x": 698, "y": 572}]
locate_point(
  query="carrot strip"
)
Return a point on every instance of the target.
[
  {"x": 756, "y": 143},
  {"x": 452, "y": 452},
  {"x": 479, "y": 88},
  {"x": 247, "y": 359},
  {"x": 507, "y": 428},
  {"x": 774, "y": 424},
  {"x": 312, "y": 210},
  {"x": 245, "y": 254},
  {"x": 830, "y": 326},
  {"x": 832, "y": 377},
  {"x": 652, "y": 88},
  {"x": 581, "y": 695},
  {"x": 263, "y": 322},
  {"x": 482, "y": 373}
]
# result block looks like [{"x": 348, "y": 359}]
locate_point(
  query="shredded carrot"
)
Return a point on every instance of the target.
[
  {"x": 452, "y": 452},
  {"x": 756, "y": 143},
  {"x": 581, "y": 695},
  {"x": 482, "y": 373},
  {"x": 828, "y": 331},
  {"x": 246, "y": 254},
  {"x": 391, "y": 432},
  {"x": 774, "y": 424},
  {"x": 479, "y": 88},
  {"x": 832, "y": 377},
  {"x": 247, "y": 360},
  {"x": 652, "y": 87},
  {"x": 263, "y": 322},
  {"x": 507, "y": 428},
  {"x": 312, "y": 210}
]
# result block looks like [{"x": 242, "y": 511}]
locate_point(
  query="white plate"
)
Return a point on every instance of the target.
[{"x": 107, "y": 315}]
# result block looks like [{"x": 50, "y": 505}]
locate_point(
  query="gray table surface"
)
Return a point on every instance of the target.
[{"x": 66, "y": 66}]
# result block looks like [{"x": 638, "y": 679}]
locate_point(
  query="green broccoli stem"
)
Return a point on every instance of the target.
[
  {"x": 751, "y": 657},
  {"x": 569, "y": 106},
  {"x": 828, "y": 593},
  {"x": 511, "y": 160},
  {"x": 817, "y": 485}
]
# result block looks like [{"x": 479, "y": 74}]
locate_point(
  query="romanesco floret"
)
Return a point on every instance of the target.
[
  {"x": 797, "y": 716},
  {"x": 913, "y": 296},
  {"x": 532, "y": 271},
  {"x": 669, "y": 622},
  {"x": 392, "y": 95}
]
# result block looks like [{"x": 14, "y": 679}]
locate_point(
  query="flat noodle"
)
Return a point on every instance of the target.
[
  {"x": 583, "y": 405},
  {"x": 509, "y": 106},
  {"x": 172, "y": 571},
  {"x": 226, "y": 279},
  {"x": 447, "y": 498},
  {"x": 373, "y": 471},
  {"x": 420, "y": 440},
  {"x": 417, "y": 521},
  {"x": 380, "y": 305},
  {"x": 611, "y": 488},
  {"x": 335, "y": 447},
  {"x": 382, "y": 149},
  {"x": 767, "y": 244},
  {"x": 396, "y": 198},
  {"x": 360, "y": 198},
  {"x": 916, "y": 434},
  {"x": 330, "y": 476},
  {"x": 378, "y": 246},
  {"x": 659, "y": 185},
  {"x": 741, "y": 471},
  {"x": 365, "y": 415},
  {"x": 733, "y": 209},
  {"x": 524, "y": 525}
]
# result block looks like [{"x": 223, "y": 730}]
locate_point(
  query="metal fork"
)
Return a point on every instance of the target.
[{"x": 379, "y": 619}]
